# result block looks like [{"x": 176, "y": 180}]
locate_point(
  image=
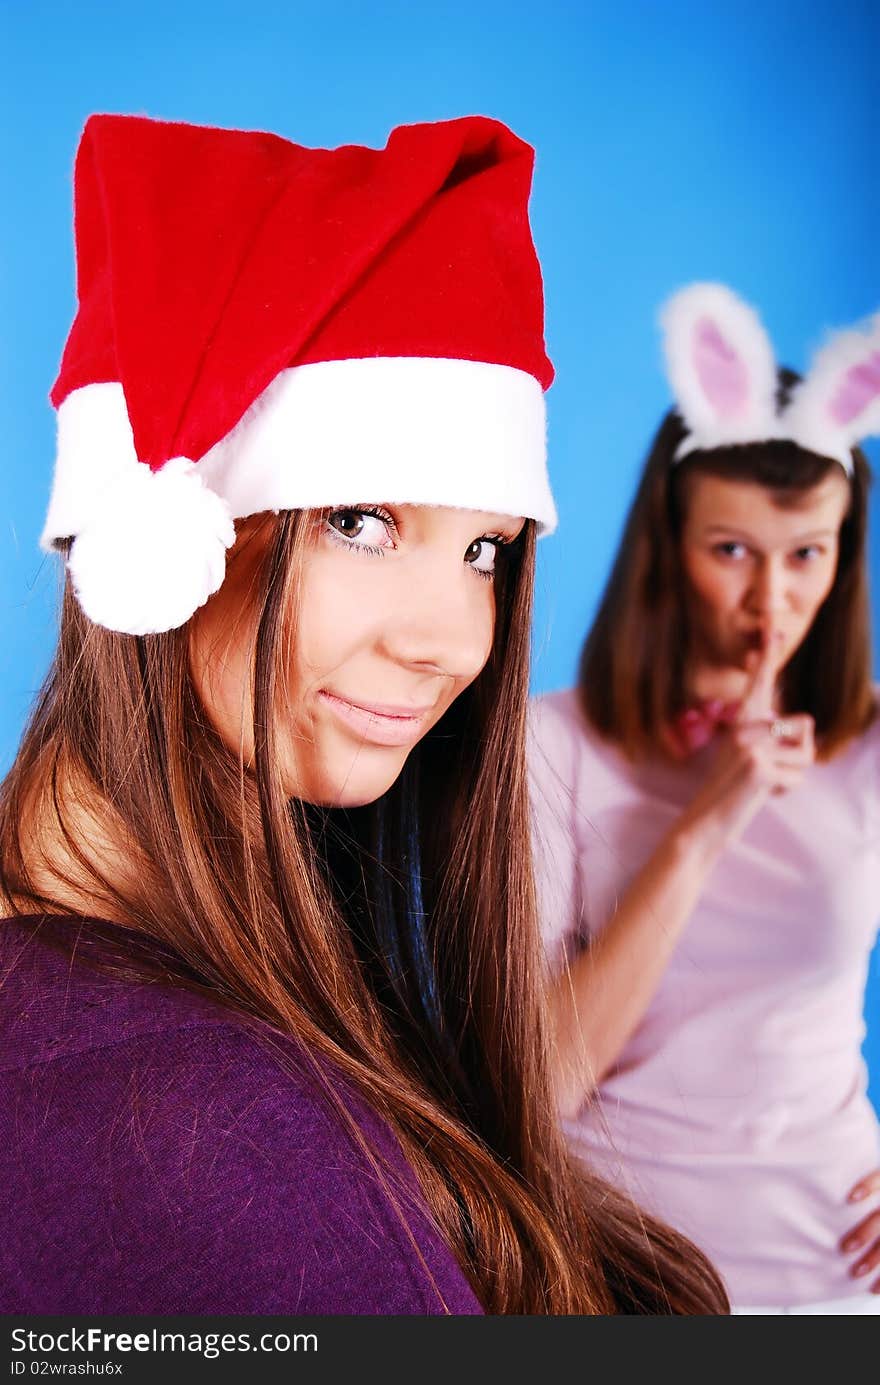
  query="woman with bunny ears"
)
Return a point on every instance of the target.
[{"x": 707, "y": 822}]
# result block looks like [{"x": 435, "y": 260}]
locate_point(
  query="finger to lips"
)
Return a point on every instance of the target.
[{"x": 758, "y": 701}]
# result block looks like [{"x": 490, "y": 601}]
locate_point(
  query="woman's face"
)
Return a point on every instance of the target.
[
  {"x": 755, "y": 569},
  {"x": 395, "y": 618}
]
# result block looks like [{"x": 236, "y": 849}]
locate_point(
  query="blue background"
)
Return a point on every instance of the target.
[{"x": 675, "y": 141}]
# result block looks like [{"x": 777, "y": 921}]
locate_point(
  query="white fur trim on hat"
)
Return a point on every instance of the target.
[{"x": 417, "y": 430}]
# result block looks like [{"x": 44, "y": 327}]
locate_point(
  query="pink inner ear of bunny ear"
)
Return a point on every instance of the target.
[
  {"x": 859, "y": 388},
  {"x": 721, "y": 372}
]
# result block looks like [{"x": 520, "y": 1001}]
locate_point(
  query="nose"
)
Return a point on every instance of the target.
[
  {"x": 441, "y": 619},
  {"x": 769, "y": 594}
]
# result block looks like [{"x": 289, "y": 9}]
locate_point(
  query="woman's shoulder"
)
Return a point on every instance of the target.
[
  {"x": 860, "y": 755},
  {"x": 58, "y": 1001},
  {"x": 565, "y": 748},
  {"x": 556, "y": 713},
  {"x": 171, "y": 1156}
]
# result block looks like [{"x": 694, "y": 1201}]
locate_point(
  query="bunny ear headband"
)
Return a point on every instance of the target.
[{"x": 723, "y": 375}]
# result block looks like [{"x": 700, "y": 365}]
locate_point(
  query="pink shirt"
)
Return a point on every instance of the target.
[{"x": 737, "y": 1110}]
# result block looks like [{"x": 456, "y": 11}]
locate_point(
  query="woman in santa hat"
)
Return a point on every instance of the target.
[
  {"x": 273, "y": 1043},
  {"x": 707, "y": 806}
]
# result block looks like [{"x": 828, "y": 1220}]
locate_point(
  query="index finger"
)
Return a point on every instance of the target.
[{"x": 758, "y": 701}]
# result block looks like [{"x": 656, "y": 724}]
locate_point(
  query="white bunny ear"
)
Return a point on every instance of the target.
[
  {"x": 721, "y": 368},
  {"x": 838, "y": 404}
]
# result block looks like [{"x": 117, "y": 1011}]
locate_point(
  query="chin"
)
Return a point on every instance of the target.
[{"x": 352, "y": 786}]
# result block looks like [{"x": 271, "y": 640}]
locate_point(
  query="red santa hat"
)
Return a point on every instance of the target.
[{"x": 262, "y": 326}]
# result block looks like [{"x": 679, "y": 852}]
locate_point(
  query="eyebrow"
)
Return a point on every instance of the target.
[{"x": 731, "y": 529}]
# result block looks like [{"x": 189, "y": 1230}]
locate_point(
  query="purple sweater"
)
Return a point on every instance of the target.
[{"x": 155, "y": 1158}]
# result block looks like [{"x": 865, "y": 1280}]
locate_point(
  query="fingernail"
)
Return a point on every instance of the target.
[
  {"x": 857, "y": 1194},
  {"x": 861, "y": 1269},
  {"x": 851, "y": 1243}
]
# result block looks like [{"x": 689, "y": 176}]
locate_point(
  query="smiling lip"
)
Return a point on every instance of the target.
[{"x": 378, "y": 723}]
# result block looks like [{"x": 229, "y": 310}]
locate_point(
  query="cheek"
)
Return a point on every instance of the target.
[
  {"x": 484, "y": 623},
  {"x": 222, "y": 639},
  {"x": 714, "y": 589},
  {"x": 333, "y": 611},
  {"x": 816, "y": 587}
]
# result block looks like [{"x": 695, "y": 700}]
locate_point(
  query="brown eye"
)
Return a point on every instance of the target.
[
  {"x": 347, "y": 522},
  {"x": 361, "y": 529},
  {"x": 481, "y": 555}
]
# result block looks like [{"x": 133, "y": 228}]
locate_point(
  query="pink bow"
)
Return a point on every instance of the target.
[{"x": 696, "y": 725}]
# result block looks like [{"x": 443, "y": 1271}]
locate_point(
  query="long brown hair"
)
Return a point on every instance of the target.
[
  {"x": 423, "y": 992},
  {"x": 631, "y": 675}
]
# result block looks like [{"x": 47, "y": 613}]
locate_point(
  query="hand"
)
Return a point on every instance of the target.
[
  {"x": 782, "y": 746},
  {"x": 761, "y": 753},
  {"x": 866, "y": 1236}
]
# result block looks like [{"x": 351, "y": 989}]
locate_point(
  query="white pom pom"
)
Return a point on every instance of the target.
[{"x": 153, "y": 551}]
